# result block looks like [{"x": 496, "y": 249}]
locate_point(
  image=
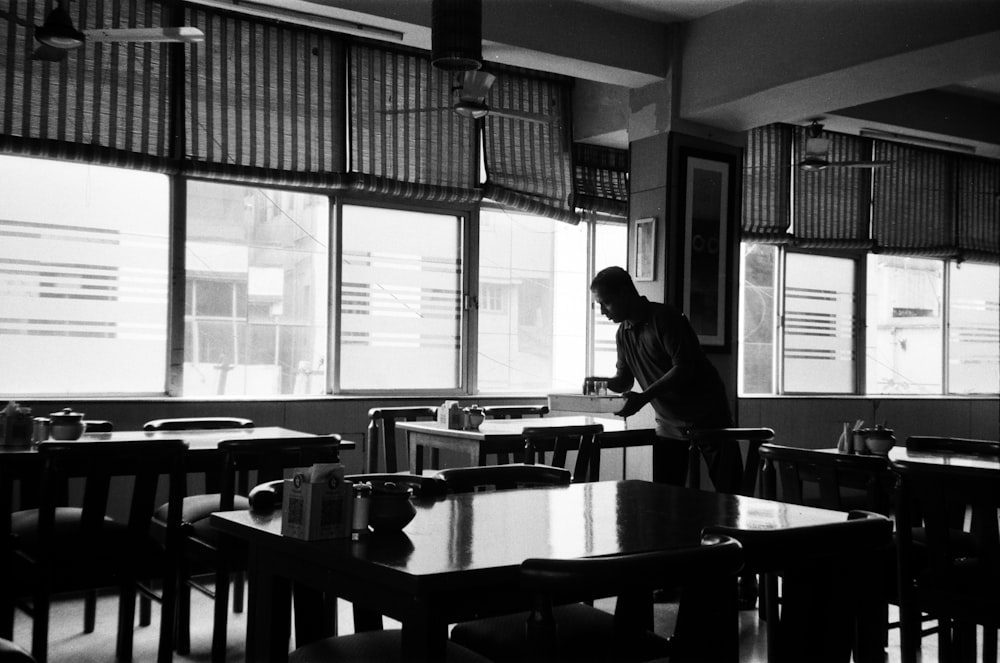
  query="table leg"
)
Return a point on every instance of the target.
[
  {"x": 424, "y": 637},
  {"x": 268, "y": 610}
]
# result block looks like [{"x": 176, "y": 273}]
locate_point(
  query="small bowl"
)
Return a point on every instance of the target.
[
  {"x": 879, "y": 445},
  {"x": 391, "y": 509}
]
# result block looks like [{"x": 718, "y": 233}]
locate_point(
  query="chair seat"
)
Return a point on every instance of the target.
[
  {"x": 194, "y": 516},
  {"x": 102, "y": 554},
  {"x": 382, "y": 646},
  {"x": 585, "y": 634}
]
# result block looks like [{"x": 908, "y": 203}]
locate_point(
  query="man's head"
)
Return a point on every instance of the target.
[{"x": 615, "y": 293}]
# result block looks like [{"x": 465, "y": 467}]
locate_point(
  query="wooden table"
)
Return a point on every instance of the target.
[
  {"x": 459, "y": 557},
  {"x": 939, "y": 457},
  {"x": 493, "y": 436}
]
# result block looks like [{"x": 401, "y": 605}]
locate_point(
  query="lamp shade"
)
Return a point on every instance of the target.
[{"x": 457, "y": 34}]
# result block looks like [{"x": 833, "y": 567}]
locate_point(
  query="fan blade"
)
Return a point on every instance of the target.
[
  {"x": 184, "y": 34},
  {"x": 860, "y": 164},
  {"x": 49, "y": 54},
  {"x": 476, "y": 85},
  {"x": 521, "y": 115}
]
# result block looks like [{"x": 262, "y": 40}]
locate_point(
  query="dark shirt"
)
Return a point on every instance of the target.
[{"x": 663, "y": 341}]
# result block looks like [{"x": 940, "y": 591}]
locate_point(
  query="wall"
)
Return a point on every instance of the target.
[{"x": 816, "y": 422}]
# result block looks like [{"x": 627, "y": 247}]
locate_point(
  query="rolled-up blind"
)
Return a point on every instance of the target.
[
  {"x": 528, "y": 157},
  {"x": 979, "y": 210},
  {"x": 265, "y": 101},
  {"x": 600, "y": 179},
  {"x": 767, "y": 184},
  {"x": 913, "y": 210},
  {"x": 105, "y": 103},
  {"x": 831, "y": 205},
  {"x": 406, "y": 139}
]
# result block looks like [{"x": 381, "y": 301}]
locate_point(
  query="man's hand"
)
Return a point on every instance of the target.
[{"x": 633, "y": 403}]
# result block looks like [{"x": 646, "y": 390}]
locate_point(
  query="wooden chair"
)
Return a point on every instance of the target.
[
  {"x": 555, "y": 443},
  {"x": 624, "y": 439},
  {"x": 557, "y": 629},
  {"x": 382, "y": 435},
  {"x": 827, "y": 593},
  {"x": 699, "y": 437},
  {"x": 840, "y": 481},
  {"x": 56, "y": 549},
  {"x": 204, "y": 550},
  {"x": 513, "y": 412},
  {"x": 502, "y": 477},
  {"x": 953, "y": 574},
  {"x": 195, "y": 423}
]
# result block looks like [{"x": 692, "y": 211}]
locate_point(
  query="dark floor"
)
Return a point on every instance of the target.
[{"x": 68, "y": 643}]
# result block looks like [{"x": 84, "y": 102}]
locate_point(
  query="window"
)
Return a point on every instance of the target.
[
  {"x": 537, "y": 343},
  {"x": 400, "y": 300},
  {"x": 610, "y": 248},
  {"x": 931, "y": 326},
  {"x": 973, "y": 329},
  {"x": 83, "y": 283},
  {"x": 905, "y": 325},
  {"x": 256, "y": 291},
  {"x": 818, "y": 342}
]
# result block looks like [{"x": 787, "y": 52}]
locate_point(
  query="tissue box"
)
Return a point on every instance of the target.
[{"x": 316, "y": 504}]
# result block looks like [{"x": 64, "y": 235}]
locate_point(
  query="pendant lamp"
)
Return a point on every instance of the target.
[{"x": 457, "y": 34}]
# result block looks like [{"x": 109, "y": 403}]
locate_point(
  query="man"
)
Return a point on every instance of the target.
[{"x": 658, "y": 347}]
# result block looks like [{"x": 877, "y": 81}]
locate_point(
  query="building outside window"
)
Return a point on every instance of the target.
[
  {"x": 256, "y": 303},
  {"x": 83, "y": 283}
]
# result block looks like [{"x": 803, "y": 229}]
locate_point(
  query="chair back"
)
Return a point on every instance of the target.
[
  {"x": 961, "y": 445},
  {"x": 707, "y": 626},
  {"x": 956, "y": 572},
  {"x": 269, "y": 458},
  {"x": 746, "y": 484},
  {"x": 559, "y": 441},
  {"x": 100, "y": 553},
  {"x": 502, "y": 477},
  {"x": 834, "y": 477},
  {"x": 619, "y": 439},
  {"x": 381, "y": 437},
  {"x": 194, "y": 423},
  {"x": 514, "y": 411}
]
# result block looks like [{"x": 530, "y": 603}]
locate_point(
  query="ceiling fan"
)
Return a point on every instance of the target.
[
  {"x": 470, "y": 100},
  {"x": 57, "y": 35},
  {"x": 818, "y": 149}
]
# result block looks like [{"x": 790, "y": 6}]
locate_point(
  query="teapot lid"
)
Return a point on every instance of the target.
[{"x": 66, "y": 413}]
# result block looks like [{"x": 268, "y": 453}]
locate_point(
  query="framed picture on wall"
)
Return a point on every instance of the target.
[
  {"x": 645, "y": 249},
  {"x": 707, "y": 194}
]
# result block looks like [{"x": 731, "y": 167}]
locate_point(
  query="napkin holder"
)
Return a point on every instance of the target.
[
  {"x": 316, "y": 503},
  {"x": 451, "y": 415}
]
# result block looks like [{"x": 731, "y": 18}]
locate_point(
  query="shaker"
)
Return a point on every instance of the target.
[{"x": 361, "y": 507}]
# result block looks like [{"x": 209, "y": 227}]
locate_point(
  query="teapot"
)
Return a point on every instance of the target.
[
  {"x": 67, "y": 425},
  {"x": 474, "y": 416},
  {"x": 391, "y": 509}
]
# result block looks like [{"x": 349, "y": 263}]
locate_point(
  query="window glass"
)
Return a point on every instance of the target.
[
  {"x": 757, "y": 318},
  {"x": 83, "y": 288},
  {"x": 256, "y": 283},
  {"x": 610, "y": 248},
  {"x": 974, "y": 329},
  {"x": 401, "y": 300},
  {"x": 904, "y": 339},
  {"x": 537, "y": 267},
  {"x": 819, "y": 322}
]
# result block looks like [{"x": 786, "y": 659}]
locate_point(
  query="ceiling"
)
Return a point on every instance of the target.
[{"x": 925, "y": 69}]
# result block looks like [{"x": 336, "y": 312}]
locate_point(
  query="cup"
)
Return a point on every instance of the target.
[{"x": 601, "y": 388}]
